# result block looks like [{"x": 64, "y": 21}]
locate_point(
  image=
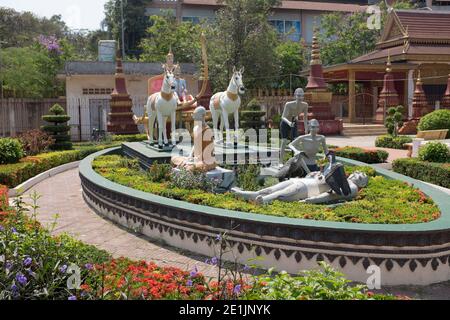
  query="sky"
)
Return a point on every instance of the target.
[{"x": 78, "y": 14}]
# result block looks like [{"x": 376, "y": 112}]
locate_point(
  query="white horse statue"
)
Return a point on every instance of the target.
[
  {"x": 225, "y": 103},
  {"x": 162, "y": 105}
]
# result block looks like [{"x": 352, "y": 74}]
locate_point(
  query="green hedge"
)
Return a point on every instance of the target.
[
  {"x": 12, "y": 175},
  {"x": 363, "y": 155},
  {"x": 391, "y": 142},
  {"x": 436, "y": 120},
  {"x": 436, "y": 173},
  {"x": 129, "y": 138}
]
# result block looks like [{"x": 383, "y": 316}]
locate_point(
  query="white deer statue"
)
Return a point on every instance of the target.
[{"x": 225, "y": 103}]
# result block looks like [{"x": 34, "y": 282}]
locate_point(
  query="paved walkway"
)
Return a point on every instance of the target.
[{"x": 62, "y": 195}]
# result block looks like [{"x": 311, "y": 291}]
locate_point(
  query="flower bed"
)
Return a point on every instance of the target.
[
  {"x": 384, "y": 201},
  {"x": 436, "y": 173},
  {"x": 36, "y": 265},
  {"x": 363, "y": 155}
]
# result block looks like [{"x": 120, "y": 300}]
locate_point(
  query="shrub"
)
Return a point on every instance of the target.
[
  {"x": 391, "y": 142},
  {"x": 436, "y": 173},
  {"x": 35, "y": 142},
  {"x": 394, "y": 120},
  {"x": 129, "y": 138},
  {"x": 11, "y": 150},
  {"x": 247, "y": 177},
  {"x": 436, "y": 120},
  {"x": 184, "y": 179},
  {"x": 159, "y": 172},
  {"x": 58, "y": 129},
  {"x": 434, "y": 152},
  {"x": 3, "y": 198},
  {"x": 12, "y": 175},
  {"x": 363, "y": 155},
  {"x": 324, "y": 284}
]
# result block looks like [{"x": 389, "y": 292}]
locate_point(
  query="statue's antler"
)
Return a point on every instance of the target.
[{"x": 204, "y": 76}]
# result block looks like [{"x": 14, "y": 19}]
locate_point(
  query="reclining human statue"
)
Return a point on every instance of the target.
[
  {"x": 305, "y": 150},
  {"x": 331, "y": 186},
  {"x": 201, "y": 158}
]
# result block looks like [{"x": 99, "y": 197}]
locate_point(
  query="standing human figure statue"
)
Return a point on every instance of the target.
[
  {"x": 225, "y": 103},
  {"x": 311, "y": 189},
  {"x": 202, "y": 156},
  {"x": 180, "y": 84},
  {"x": 289, "y": 118}
]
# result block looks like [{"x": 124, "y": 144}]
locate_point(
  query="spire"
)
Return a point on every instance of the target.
[
  {"x": 388, "y": 95},
  {"x": 420, "y": 103},
  {"x": 315, "y": 80},
  {"x": 445, "y": 103}
]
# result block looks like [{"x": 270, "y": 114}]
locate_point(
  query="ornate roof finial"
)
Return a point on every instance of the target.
[
  {"x": 419, "y": 79},
  {"x": 388, "y": 64}
]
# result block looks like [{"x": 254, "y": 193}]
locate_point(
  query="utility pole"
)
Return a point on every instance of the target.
[{"x": 123, "y": 29}]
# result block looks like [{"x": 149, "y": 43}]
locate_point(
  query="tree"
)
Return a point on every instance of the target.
[
  {"x": 166, "y": 34},
  {"x": 345, "y": 36},
  {"x": 394, "y": 120},
  {"x": 291, "y": 58},
  {"x": 22, "y": 29},
  {"x": 243, "y": 37},
  {"x": 136, "y": 22},
  {"x": 58, "y": 128}
]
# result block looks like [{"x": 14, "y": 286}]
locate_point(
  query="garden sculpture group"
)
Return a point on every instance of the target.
[{"x": 289, "y": 118}]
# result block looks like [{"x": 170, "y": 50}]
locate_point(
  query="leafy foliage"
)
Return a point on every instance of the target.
[
  {"x": 436, "y": 120},
  {"x": 434, "y": 152},
  {"x": 59, "y": 128},
  {"x": 391, "y": 142},
  {"x": 322, "y": 284},
  {"x": 383, "y": 201},
  {"x": 436, "y": 173},
  {"x": 184, "y": 179},
  {"x": 363, "y": 155},
  {"x": 35, "y": 142},
  {"x": 11, "y": 150},
  {"x": 394, "y": 120},
  {"x": 160, "y": 172}
]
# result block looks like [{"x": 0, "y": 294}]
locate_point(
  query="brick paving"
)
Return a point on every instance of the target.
[{"x": 62, "y": 195}]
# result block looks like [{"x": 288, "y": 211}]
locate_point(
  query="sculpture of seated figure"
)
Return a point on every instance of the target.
[
  {"x": 311, "y": 189},
  {"x": 305, "y": 149},
  {"x": 202, "y": 156}
]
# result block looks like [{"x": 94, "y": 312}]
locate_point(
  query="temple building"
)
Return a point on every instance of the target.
[{"x": 412, "y": 40}]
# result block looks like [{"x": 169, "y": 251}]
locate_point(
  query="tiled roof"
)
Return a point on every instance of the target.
[
  {"x": 109, "y": 68},
  {"x": 425, "y": 24},
  {"x": 296, "y": 5}
]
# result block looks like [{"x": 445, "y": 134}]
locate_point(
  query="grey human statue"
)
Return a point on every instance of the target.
[
  {"x": 315, "y": 188},
  {"x": 305, "y": 150},
  {"x": 289, "y": 118}
]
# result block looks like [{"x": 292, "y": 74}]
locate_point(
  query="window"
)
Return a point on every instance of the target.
[
  {"x": 290, "y": 28},
  {"x": 97, "y": 91}
]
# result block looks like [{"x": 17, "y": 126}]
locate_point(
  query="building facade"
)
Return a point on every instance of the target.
[{"x": 294, "y": 18}]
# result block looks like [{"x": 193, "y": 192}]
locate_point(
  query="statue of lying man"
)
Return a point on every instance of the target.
[{"x": 316, "y": 188}]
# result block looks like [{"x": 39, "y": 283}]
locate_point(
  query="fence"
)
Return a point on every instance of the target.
[
  {"x": 89, "y": 112},
  {"x": 20, "y": 115}
]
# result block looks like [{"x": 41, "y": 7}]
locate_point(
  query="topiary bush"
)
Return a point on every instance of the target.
[
  {"x": 250, "y": 116},
  {"x": 436, "y": 120},
  {"x": 394, "y": 120},
  {"x": 11, "y": 151},
  {"x": 434, "y": 152},
  {"x": 58, "y": 129},
  {"x": 391, "y": 142}
]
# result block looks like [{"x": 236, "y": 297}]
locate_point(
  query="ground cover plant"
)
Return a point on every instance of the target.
[{"x": 383, "y": 201}]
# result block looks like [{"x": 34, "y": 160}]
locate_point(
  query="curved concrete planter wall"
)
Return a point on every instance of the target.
[{"x": 406, "y": 254}]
